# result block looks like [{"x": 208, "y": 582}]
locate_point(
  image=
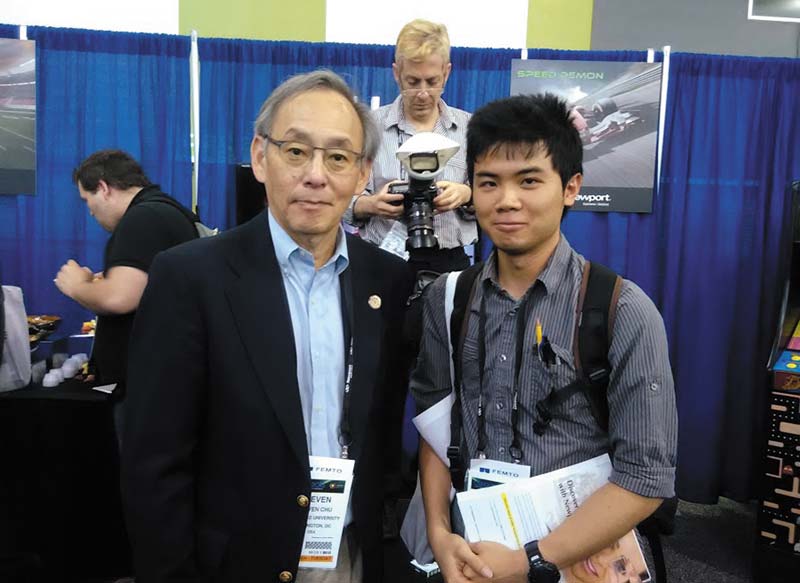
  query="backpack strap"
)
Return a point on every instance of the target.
[
  {"x": 459, "y": 293},
  {"x": 596, "y": 312},
  {"x": 201, "y": 229},
  {"x": 594, "y": 323}
]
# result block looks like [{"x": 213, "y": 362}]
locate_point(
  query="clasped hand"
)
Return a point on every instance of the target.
[{"x": 483, "y": 562}]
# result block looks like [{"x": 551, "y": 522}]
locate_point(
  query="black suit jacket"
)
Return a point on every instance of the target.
[{"x": 214, "y": 452}]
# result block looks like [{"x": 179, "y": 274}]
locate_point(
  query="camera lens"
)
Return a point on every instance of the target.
[{"x": 419, "y": 219}]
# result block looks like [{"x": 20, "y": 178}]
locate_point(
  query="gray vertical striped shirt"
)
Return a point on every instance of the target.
[
  {"x": 642, "y": 435},
  {"x": 455, "y": 228}
]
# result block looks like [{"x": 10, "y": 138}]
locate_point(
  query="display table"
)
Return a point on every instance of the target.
[
  {"x": 59, "y": 490},
  {"x": 44, "y": 350}
]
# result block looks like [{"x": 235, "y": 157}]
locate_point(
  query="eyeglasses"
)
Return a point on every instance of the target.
[
  {"x": 432, "y": 91},
  {"x": 299, "y": 154}
]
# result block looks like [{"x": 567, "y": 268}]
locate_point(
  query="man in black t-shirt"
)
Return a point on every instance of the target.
[{"x": 142, "y": 221}]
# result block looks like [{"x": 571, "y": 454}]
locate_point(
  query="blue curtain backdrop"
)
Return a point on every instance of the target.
[
  {"x": 733, "y": 150},
  {"x": 478, "y": 76},
  {"x": 94, "y": 90},
  {"x": 9, "y": 31},
  {"x": 708, "y": 254}
]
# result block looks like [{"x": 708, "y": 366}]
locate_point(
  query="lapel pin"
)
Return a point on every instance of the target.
[{"x": 374, "y": 302}]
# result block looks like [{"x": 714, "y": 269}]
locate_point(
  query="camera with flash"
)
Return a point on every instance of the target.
[{"x": 424, "y": 157}]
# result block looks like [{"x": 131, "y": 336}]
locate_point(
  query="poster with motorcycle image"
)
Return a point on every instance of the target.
[{"x": 616, "y": 108}]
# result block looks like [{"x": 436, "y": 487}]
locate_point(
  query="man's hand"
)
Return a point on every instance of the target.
[
  {"x": 71, "y": 276},
  {"x": 451, "y": 195},
  {"x": 507, "y": 566},
  {"x": 380, "y": 204},
  {"x": 116, "y": 292},
  {"x": 455, "y": 557}
]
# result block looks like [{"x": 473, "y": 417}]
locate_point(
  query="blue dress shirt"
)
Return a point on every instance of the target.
[{"x": 314, "y": 297}]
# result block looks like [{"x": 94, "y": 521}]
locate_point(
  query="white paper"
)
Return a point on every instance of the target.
[
  {"x": 105, "y": 388},
  {"x": 433, "y": 425},
  {"x": 429, "y": 569},
  {"x": 524, "y": 510},
  {"x": 331, "y": 482}
]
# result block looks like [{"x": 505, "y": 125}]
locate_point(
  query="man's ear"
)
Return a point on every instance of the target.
[
  {"x": 396, "y": 73},
  {"x": 363, "y": 176},
  {"x": 258, "y": 158},
  {"x": 447, "y": 68},
  {"x": 103, "y": 189},
  {"x": 572, "y": 189}
]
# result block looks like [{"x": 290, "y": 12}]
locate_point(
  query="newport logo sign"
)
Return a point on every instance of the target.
[
  {"x": 606, "y": 200},
  {"x": 589, "y": 199}
]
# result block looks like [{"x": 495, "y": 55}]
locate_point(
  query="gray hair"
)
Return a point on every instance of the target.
[{"x": 320, "y": 79}]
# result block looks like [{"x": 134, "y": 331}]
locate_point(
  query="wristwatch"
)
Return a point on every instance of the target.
[{"x": 541, "y": 570}]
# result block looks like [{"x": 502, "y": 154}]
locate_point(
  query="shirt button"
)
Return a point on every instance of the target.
[
  {"x": 653, "y": 386},
  {"x": 500, "y": 405},
  {"x": 503, "y": 358},
  {"x": 501, "y": 449},
  {"x": 285, "y": 577},
  {"x": 302, "y": 501}
]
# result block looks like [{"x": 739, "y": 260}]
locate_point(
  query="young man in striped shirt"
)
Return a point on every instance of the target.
[{"x": 525, "y": 160}]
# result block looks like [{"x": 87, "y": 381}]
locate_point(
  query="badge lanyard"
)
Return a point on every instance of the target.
[
  {"x": 345, "y": 434},
  {"x": 515, "y": 449}
]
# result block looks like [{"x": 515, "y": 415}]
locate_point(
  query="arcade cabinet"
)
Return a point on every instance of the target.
[{"x": 777, "y": 551}]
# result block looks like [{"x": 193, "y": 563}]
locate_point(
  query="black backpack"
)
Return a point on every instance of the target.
[{"x": 597, "y": 303}]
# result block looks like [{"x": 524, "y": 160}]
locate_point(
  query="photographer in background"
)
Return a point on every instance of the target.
[{"x": 421, "y": 68}]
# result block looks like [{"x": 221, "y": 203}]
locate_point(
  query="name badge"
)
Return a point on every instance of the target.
[
  {"x": 331, "y": 481},
  {"x": 487, "y": 473},
  {"x": 395, "y": 240}
]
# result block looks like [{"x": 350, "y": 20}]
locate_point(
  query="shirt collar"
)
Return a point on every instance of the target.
[
  {"x": 553, "y": 273},
  {"x": 396, "y": 117},
  {"x": 551, "y": 276},
  {"x": 285, "y": 247},
  {"x": 144, "y": 193}
]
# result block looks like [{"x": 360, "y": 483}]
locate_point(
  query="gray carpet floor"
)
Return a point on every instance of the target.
[{"x": 712, "y": 543}]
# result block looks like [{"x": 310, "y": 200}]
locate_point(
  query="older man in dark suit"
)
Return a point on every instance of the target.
[{"x": 255, "y": 349}]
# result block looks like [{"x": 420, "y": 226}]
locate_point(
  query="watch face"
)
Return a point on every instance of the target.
[{"x": 544, "y": 572}]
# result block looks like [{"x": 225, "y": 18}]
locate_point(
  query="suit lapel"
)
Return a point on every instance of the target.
[
  {"x": 259, "y": 306},
  {"x": 367, "y": 341}
]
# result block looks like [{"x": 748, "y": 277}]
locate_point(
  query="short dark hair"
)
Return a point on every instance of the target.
[
  {"x": 527, "y": 122},
  {"x": 116, "y": 168}
]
